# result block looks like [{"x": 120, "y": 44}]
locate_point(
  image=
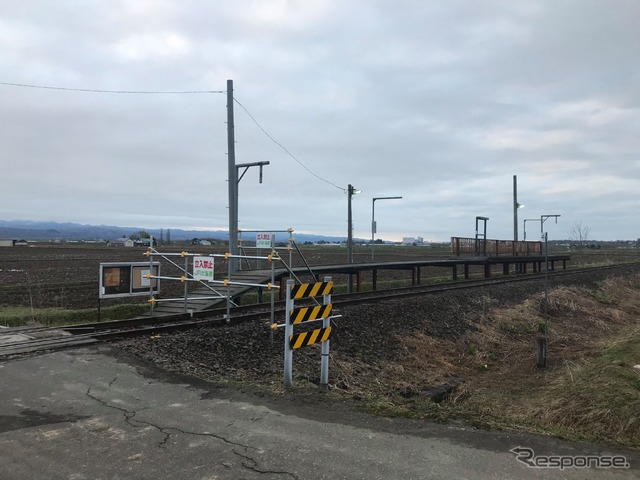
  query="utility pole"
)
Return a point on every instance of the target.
[
  {"x": 350, "y": 190},
  {"x": 516, "y": 206},
  {"x": 233, "y": 180},
  {"x": 515, "y": 210}
]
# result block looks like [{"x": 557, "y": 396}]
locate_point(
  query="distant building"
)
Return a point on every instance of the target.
[
  {"x": 7, "y": 243},
  {"x": 412, "y": 241},
  {"x": 120, "y": 242},
  {"x": 144, "y": 242},
  {"x": 20, "y": 243}
]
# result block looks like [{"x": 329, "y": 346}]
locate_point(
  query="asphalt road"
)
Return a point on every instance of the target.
[{"x": 94, "y": 414}]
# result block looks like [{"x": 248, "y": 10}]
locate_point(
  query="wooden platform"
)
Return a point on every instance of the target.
[{"x": 199, "y": 299}]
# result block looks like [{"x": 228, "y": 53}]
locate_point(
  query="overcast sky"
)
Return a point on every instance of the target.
[{"x": 439, "y": 102}]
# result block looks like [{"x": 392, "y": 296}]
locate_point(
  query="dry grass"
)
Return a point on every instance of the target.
[
  {"x": 589, "y": 391},
  {"x": 412, "y": 375}
]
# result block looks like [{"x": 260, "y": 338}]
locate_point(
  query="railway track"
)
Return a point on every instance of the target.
[{"x": 24, "y": 340}]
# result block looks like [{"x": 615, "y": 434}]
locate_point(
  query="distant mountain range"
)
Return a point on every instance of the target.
[{"x": 43, "y": 231}]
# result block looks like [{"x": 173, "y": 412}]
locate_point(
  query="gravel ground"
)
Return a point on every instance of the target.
[{"x": 364, "y": 341}]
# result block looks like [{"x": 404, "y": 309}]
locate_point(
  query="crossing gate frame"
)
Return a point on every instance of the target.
[{"x": 305, "y": 315}]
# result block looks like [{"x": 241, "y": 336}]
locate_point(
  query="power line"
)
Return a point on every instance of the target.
[
  {"x": 93, "y": 90},
  {"x": 287, "y": 151},
  {"x": 179, "y": 92}
]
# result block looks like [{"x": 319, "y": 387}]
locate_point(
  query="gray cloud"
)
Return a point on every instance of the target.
[{"x": 441, "y": 103}]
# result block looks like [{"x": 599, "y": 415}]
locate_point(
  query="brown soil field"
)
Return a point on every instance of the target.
[{"x": 67, "y": 276}]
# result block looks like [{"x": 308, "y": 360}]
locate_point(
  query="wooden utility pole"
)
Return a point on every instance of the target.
[{"x": 233, "y": 180}]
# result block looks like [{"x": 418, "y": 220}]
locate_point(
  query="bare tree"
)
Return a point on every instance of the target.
[{"x": 579, "y": 234}]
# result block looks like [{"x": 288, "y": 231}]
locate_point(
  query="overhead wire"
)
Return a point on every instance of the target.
[
  {"x": 94, "y": 90},
  {"x": 285, "y": 149},
  {"x": 179, "y": 92}
]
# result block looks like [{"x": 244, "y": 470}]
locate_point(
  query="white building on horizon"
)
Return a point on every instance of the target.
[{"x": 412, "y": 241}]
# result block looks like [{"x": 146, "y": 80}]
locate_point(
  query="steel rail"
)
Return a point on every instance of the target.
[{"x": 86, "y": 334}]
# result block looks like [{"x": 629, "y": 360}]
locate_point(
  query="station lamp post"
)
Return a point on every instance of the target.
[
  {"x": 516, "y": 206},
  {"x": 351, "y": 191},
  {"x": 373, "y": 219}
]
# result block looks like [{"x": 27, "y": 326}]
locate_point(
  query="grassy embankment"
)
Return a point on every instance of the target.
[{"x": 589, "y": 392}]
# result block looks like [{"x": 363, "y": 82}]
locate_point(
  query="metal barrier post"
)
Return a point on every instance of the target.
[
  {"x": 151, "y": 273},
  {"x": 288, "y": 332},
  {"x": 229, "y": 293},
  {"x": 186, "y": 293},
  {"x": 273, "y": 282},
  {"x": 324, "y": 364}
]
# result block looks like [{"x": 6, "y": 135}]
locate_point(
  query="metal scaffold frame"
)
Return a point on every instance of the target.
[{"x": 227, "y": 282}]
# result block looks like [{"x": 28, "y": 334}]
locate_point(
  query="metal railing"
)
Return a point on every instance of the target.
[{"x": 492, "y": 248}]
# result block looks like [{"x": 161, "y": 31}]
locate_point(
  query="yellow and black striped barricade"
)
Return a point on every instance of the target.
[
  {"x": 311, "y": 289},
  {"x": 309, "y": 338},
  {"x": 305, "y": 315}
]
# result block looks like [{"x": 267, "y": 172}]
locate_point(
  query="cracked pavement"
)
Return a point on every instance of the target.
[{"x": 89, "y": 414}]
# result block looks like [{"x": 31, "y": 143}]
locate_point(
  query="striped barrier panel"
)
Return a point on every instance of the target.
[
  {"x": 311, "y": 289},
  {"x": 307, "y": 314},
  {"x": 309, "y": 338},
  {"x": 296, "y": 316}
]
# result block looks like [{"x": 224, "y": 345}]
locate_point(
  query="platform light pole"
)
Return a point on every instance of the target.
[
  {"x": 351, "y": 191},
  {"x": 516, "y": 206},
  {"x": 373, "y": 218}
]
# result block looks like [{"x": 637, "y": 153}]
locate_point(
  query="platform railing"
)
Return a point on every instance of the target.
[{"x": 492, "y": 248}]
